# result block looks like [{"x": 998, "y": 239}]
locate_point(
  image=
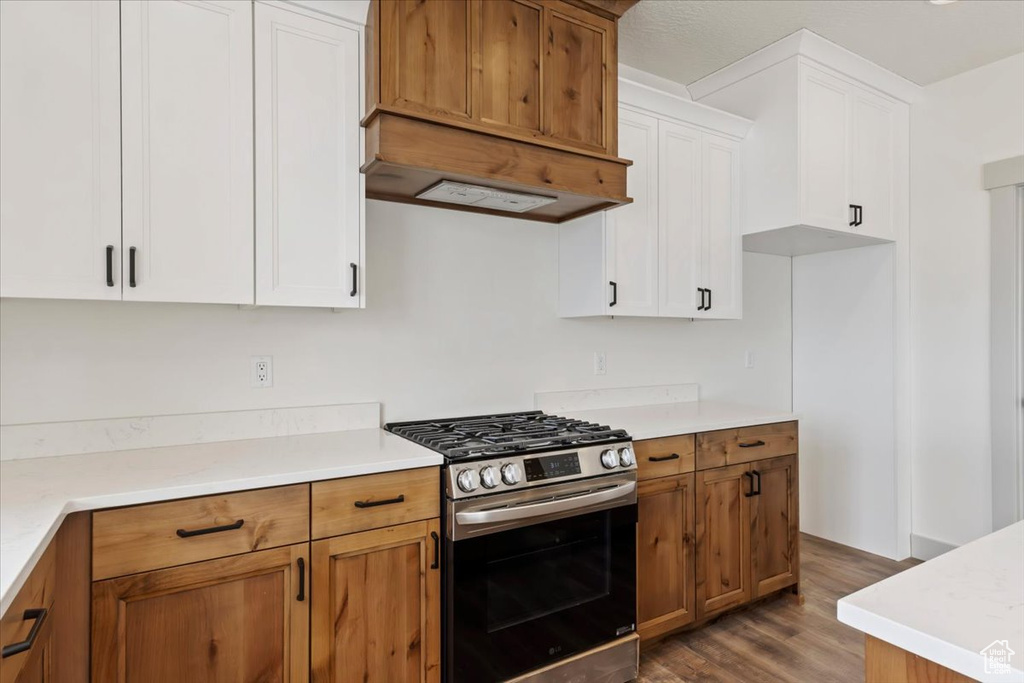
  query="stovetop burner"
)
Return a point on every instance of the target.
[{"x": 504, "y": 434}]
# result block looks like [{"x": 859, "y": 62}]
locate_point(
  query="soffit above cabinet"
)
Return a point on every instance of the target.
[{"x": 512, "y": 95}]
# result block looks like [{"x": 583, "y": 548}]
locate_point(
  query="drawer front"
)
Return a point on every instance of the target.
[
  {"x": 746, "y": 444},
  {"x": 37, "y": 594},
  {"x": 664, "y": 457},
  {"x": 344, "y": 506},
  {"x": 145, "y": 537}
]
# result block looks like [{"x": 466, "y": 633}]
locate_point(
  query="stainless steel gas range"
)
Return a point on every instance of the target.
[{"x": 540, "y": 548}]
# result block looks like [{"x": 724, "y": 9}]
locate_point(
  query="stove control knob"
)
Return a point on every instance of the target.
[
  {"x": 609, "y": 459},
  {"x": 468, "y": 480},
  {"x": 626, "y": 458},
  {"x": 488, "y": 477},
  {"x": 511, "y": 474}
]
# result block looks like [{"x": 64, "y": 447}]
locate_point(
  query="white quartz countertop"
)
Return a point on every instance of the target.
[
  {"x": 668, "y": 419},
  {"x": 36, "y": 494},
  {"x": 951, "y": 608}
]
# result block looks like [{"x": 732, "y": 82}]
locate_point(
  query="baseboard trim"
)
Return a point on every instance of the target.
[{"x": 924, "y": 548}]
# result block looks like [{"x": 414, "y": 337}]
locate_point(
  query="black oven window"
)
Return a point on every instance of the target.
[{"x": 552, "y": 569}]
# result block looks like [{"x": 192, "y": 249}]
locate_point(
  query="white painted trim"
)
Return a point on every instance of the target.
[
  {"x": 41, "y": 440},
  {"x": 354, "y": 11},
  {"x": 1004, "y": 172},
  {"x": 924, "y": 548},
  {"x": 630, "y": 73},
  {"x": 647, "y": 100},
  {"x": 811, "y": 46},
  {"x": 558, "y": 402}
]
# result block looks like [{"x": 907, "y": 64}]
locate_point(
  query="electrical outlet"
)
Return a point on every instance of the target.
[
  {"x": 600, "y": 363},
  {"x": 748, "y": 360},
  {"x": 261, "y": 371}
]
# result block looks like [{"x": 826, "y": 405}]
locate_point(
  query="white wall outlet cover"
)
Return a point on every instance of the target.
[
  {"x": 261, "y": 371},
  {"x": 600, "y": 363},
  {"x": 748, "y": 359}
]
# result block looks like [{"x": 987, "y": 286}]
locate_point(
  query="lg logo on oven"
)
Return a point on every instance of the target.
[{"x": 554, "y": 650}]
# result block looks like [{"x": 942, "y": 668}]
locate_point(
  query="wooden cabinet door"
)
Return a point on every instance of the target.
[
  {"x": 238, "y": 619},
  {"x": 187, "y": 131},
  {"x": 873, "y": 167},
  {"x": 774, "y": 525},
  {"x": 679, "y": 219},
  {"x": 665, "y": 555},
  {"x": 308, "y": 199},
  {"x": 376, "y": 606},
  {"x": 721, "y": 237},
  {"x": 60, "y": 169},
  {"x": 580, "y": 75},
  {"x": 723, "y": 538},
  {"x": 823, "y": 159},
  {"x": 632, "y": 234}
]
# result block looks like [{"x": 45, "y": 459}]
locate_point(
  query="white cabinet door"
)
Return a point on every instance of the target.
[
  {"x": 308, "y": 199},
  {"x": 873, "y": 128},
  {"x": 824, "y": 148},
  {"x": 679, "y": 220},
  {"x": 722, "y": 271},
  {"x": 187, "y": 124},
  {"x": 60, "y": 167},
  {"x": 632, "y": 247}
]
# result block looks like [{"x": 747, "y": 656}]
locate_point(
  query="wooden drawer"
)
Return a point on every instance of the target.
[
  {"x": 746, "y": 444},
  {"x": 344, "y": 506},
  {"x": 664, "y": 457},
  {"x": 144, "y": 537},
  {"x": 37, "y": 593}
]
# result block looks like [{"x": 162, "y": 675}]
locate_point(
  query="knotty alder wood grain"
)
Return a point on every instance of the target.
[
  {"x": 506, "y": 63},
  {"x": 775, "y": 533},
  {"x": 72, "y": 627},
  {"x": 144, "y": 537},
  {"x": 234, "y": 619},
  {"x": 39, "y": 592},
  {"x": 376, "y": 607},
  {"x": 664, "y": 457},
  {"x": 777, "y": 640},
  {"x": 334, "y": 502},
  {"x": 609, "y": 9},
  {"x": 723, "y": 539},
  {"x": 746, "y": 444},
  {"x": 886, "y": 663}
]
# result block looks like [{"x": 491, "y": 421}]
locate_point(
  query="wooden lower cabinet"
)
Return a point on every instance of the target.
[
  {"x": 775, "y": 532},
  {"x": 240, "y": 618},
  {"x": 723, "y": 539},
  {"x": 665, "y": 555},
  {"x": 376, "y": 606}
]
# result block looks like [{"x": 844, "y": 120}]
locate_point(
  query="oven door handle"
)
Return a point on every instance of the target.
[{"x": 470, "y": 517}]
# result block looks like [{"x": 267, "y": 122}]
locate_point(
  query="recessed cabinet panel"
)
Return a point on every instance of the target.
[
  {"x": 508, "y": 46},
  {"x": 775, "y": 529},
  {"x": 723, "y": 247},
  {"x": 187, "y": 131},
  {"x": 680, "y": 251},
  {"x": 723, "y": 539},
  {"x": 873, "y": 165},
  {"x": 60, "y": 166},
  {"x": 308, "y": 208},
  {"x": 824, "y": 163}
]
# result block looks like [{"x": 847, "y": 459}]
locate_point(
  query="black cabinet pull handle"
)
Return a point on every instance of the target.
[
  {"x": 860, "y": 214},
  {"x": 708, "y": 307},
  {"x": 110, "y": 265},
  {"x": 615, "y": 293},
  {"x": 437, "y": 550},
  {"x": 39, "y": 615},
  {"x": 750, "y": 492},
  {"x": 375, "y": 503},
  {"x": 757, "y": 475},
  {"x": 131, "y": 267},
  {"x": 185, "y": 533},
  {"x": 753, "y": 444},
  {"x": 700, "y": 291},
  {"x": 302, "y": 579},
  {"x": 663, "y": 458},
  {"x": 853, "y": 207},
  {"x": 355, "y": 279}
]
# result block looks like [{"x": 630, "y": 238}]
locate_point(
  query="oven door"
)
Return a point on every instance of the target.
[{"x": 537, "y": 576}]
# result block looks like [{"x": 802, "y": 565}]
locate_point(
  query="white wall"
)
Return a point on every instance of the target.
[
  {"x": 958, "y": 125},
  {"x": 460, "y": 319}
]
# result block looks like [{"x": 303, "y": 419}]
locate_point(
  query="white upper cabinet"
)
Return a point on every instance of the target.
[
  {"x": 879, "y": 159},
  {"x": 680, "y": 249},
  {"x": 309, "y": 208},
  {"x": 824, "y": 150},
  {"x": 722, "y": 242},
  {"x": 187, "y": 151},
  {"x": 60, "y": 168}
]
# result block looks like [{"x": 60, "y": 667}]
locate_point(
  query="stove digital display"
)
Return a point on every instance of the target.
[{"x": 552, "y": 466}]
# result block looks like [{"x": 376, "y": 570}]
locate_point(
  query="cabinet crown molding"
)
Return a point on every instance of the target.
[
  {"x": 666, "y": 105},
  {"x": 805, "y": 43}
]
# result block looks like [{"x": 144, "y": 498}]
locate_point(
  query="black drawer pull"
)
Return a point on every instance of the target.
[
  {"x": 437, "y": 550},
  {"x": 700, "y": 292},
  {"x": 110, "y": 265},
  {"x": 376, "y": 503},
  {"x": 302, "y": 579},
  {"x": 615, "y": 294},
  {"x": 355, "y": 279},
  {"x": 131, "y": 267},
  {"x": 185, "y": 533},
  {"x": 757, "y": 475},
  {"x": 39, "y": 615},
  {"x": 663, "y": 458},
  {"x": 753, "y": 444},
  {"x": 750, "y": 492}
]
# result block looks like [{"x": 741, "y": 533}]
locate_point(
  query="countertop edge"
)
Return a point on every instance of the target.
[{"x": 713, "y": 426}]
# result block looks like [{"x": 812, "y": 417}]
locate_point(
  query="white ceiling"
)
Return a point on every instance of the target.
[{"x": 685, "y": 40}]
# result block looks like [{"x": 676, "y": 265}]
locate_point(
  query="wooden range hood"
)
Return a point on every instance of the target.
[{"x": 519, "y": 96}]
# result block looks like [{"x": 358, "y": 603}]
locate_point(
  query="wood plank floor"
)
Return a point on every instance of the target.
[{"x": 779, "y": 640}]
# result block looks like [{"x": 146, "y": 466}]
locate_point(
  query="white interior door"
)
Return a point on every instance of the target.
[
  {"x": 60, "y": 166},
  {"x": 679, "y": 220},
  {"x": 873, "y": 162},
  {"x": 633, "y": 229},
  {"x": 187, "y": 150},
  {"x": 723, "y": 243},
  {"x": 308, "y": 205},
  {"x": 824, "y": 148}
]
